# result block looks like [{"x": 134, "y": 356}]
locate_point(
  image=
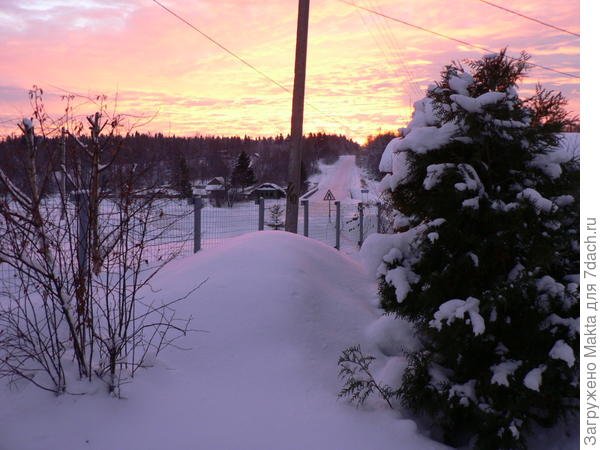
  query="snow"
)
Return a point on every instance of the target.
[
  {"x": 562, "y": 350},
  {"x": 423, "y": 115},
  {"x": 472, "y": 182},
  {"x": 419, "y": 140},
  {"x": 510, "y": 123},
  {"x": 456, "y": 309},
  {"x": 501, "y": 372},
  {"x": 474, "y": 259},
  {"x": 570, "y": 323},
  {"x": 342, "y": 178},
  {"x": 392, "y": 335},
  {"x": 460, "y": 83},
  {"x": 465, "y": 392},
  {"x": 424, "y": 139},
  {"x": 401, "y": 278},
  {"x": 533, "y": 379},
  {"x": 435, "y": 173},
  {"x": 564, "y": 200},
  {"x": 550, "y": 163},
  {"x": 276, "y": 310},
  {"x": 516, "y": 272},
  {"x": 377, "y": 246},
  {"x": 550, "y": 286},
  {"x": 399, "y": 172},
  {"x": 391, "y": 373},
  {"x": 27, "y": 123},
  {"x": 439, "y": 375},
  {"x": 472, "y": 203},
  {"x": 386, "y": 162},
  {"x": 514, "y": 430},
  {"x": 433, "y": 236},
  {"x": 540, "y": 203},
  {"x": 476, "y": 105}
]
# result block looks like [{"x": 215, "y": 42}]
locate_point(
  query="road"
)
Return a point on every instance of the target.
[{"x": 341, "y": 178}]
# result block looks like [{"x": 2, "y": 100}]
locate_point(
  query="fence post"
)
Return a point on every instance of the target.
[
  {"x": 261, "y": 214},
  {"x": 379, "y": 227},
  {"x": 305, "y": 209},
  {"x": 338, "y": 222},
  {"x": 360, "y": 224},
  {"x": 197, "y": 223}
]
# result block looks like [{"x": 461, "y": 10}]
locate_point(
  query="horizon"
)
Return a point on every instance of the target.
[{"x": 364, "y": 71}]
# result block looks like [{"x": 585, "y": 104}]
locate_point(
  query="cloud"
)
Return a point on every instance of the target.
[{"x": 363, "y": 70}]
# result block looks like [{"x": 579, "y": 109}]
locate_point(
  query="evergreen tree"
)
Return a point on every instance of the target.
[
  {"x": 182, "y": 182},
  {"x": 490, "y": 281},
  {"x": 275, "y": 216},
  {"x": 243, "y": 175},
  {"x": 374, "y": 149}
]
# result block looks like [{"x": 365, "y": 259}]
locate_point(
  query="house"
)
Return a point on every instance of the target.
[
  {"x": 216, "y": 190},
  {"x": 267, "y": 191}
]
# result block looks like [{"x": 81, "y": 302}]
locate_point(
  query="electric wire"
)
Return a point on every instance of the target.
[
  {"x": 388, "y": 60},
  {"x": 251, "y": 66},
  {"x": 524, "y": 16},
  {"x": 450, "y": 38},
  {"x": 395, "y": 46}
]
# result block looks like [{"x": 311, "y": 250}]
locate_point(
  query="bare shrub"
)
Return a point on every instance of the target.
[{"x": 81, "y": 258}]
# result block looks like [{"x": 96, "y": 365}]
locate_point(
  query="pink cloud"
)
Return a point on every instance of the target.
[{"x": 363, "y": 71}]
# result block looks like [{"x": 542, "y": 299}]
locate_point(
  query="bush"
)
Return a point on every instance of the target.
[
  {"x": 80, "y": 260},
  {"x": 491, "y": 281}
]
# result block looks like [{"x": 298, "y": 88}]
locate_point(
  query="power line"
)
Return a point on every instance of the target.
[
  {"x": 387, "y": 31},
  {"x": 394, "y": 54},
  {"x": 533, "y": 19},
  {"x": 246, "y": 63},
  {"x": 450, "y": 38},
  {"x": 389, "y": 61},
  {"x": 222, "y": 47}
]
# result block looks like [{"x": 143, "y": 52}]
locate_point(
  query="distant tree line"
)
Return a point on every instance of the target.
[
  {"x": 169, "y": 160},
  {"x": 372, "y": 152}
]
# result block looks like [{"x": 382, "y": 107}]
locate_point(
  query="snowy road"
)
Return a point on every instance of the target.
[{"x": 342, "y": 178}]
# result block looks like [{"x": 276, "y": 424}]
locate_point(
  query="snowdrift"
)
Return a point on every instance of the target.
[{"x": 276, "y": 310}]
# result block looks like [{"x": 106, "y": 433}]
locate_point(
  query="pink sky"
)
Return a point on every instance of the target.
[{"x": 363, "y": 71}]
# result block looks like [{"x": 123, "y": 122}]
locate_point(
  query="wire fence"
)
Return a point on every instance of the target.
[
  {"x": 170, "y": 229},
  {"x": 317, "y": 220},
  {"x": 219, "y": 224},
  {"x": 174, "y": 227}
]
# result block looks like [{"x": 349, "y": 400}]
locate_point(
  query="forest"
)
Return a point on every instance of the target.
[{"x": 161, "y": 160}]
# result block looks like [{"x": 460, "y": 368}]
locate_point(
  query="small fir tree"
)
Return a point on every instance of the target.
[
  {"x": 490, "y": 281},
  {"x": 243, "y": 174},
  {"x": 276, "y": 213},
  {"x": 183, "y": 183}
]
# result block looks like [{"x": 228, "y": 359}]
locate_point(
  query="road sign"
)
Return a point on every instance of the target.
[{"x": 329, "y": 196}]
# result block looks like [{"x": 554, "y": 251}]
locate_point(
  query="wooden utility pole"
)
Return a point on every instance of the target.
[{"x": 293, "y": 188}]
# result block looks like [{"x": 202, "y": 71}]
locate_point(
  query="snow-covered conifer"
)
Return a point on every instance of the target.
[{"x": 491, "y": 278}]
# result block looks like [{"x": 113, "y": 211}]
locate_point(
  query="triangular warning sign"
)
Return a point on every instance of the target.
[{"x": 329, "y": 196}]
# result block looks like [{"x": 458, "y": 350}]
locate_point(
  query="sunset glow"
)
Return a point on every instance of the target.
[{"x": 364, "y": 71}]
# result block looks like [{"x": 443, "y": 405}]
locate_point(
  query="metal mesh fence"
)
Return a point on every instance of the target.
[
  {"x": 321, "y": 223},
  {"x": 170, "y": 229},
  {"x": 371, "y": 218},
  {"x": 219, "y": 224},
  {"x": 168, "y": 225}
]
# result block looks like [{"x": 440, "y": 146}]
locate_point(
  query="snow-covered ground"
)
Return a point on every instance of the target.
[
  {"x": 346, "y": 181},
  {"x": 276, "y": 310},
  {"x": 275, "y": 313},
  {"x": 341, "y": 178}
]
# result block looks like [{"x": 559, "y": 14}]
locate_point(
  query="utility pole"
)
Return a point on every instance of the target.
[{"x": 293, "y": 188}]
